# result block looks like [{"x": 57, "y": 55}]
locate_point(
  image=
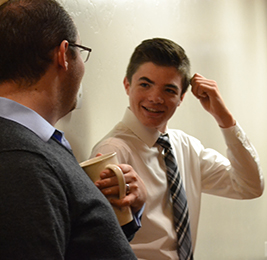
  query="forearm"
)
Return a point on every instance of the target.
[
  {"x": 244, "y": 161},
  {"x": 225, "y": 119}
]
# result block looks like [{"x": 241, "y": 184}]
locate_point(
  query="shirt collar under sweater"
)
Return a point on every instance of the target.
[{"x": 25, "y": 116}]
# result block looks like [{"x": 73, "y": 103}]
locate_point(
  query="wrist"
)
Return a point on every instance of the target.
[{"x": 226, "y": 122}]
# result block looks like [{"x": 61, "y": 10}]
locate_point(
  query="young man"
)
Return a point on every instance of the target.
[
  {"x": 157, "y": 79},
  {"x": 49, "y": 207}
]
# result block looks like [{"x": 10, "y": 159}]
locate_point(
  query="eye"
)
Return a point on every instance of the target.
[
  {"x": 172, "y": 91},
  {"x": 144, "y": 84}
]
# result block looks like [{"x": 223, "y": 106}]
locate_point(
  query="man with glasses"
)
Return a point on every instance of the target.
[{"x": 49, "y": 207}]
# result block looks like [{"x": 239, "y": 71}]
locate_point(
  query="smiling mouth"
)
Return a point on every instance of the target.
[{"x": 152, "y": 110}]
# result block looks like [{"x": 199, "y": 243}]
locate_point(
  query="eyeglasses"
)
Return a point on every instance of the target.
[{"x": 85, "y": 52}]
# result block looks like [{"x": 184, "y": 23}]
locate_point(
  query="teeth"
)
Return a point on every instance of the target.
[{"x": 151, "y": 109}]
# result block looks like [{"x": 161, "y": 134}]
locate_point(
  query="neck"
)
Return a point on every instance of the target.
[{"x": 36, "y": 97}]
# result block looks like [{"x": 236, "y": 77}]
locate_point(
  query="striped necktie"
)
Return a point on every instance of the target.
[{"x": 180, "y": 209}]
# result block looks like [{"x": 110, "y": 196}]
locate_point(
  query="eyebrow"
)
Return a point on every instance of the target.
[
  {"x": 152, "y": 82},
  {"x": 147, "y": 79}
]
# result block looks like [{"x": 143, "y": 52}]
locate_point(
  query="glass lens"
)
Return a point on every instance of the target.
[{"x": 84, "y": 55}]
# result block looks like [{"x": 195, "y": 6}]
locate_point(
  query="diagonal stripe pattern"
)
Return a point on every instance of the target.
[{"x": 180, "y": 209}]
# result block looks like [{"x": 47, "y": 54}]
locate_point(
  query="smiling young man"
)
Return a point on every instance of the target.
[{"x": 157, "y": 79}]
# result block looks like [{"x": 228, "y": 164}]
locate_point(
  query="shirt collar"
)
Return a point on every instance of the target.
[
  {"x": 148, "y": 135},
  {"x": 25, "y": 116}
]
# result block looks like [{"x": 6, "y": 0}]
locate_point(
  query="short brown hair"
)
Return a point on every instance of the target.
[{"x": 29, "y": 31}]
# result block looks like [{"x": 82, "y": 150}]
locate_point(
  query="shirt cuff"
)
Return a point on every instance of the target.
[
  {"x": 132, "y": 227},
  {"x": 234, "y": 134}
]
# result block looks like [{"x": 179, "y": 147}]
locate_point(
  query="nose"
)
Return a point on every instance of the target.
[{"x": 155, "y": 96}]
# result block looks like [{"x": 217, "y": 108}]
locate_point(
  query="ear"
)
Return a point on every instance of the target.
[
  {"x": 127, "y": 85},
  {"x": 62, "y": 55},
  {"x": 181, "y": 99}
]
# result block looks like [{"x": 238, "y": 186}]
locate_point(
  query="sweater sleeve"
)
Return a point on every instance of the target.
[{"x": 52, "y": 214}]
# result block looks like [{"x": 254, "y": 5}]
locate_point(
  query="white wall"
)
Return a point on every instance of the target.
[{"x": 225, "y": 40}]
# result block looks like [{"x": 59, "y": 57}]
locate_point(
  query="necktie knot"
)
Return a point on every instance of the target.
[
  {"x": 164, "y": 142},
  {"x": 58, "y": 135}
]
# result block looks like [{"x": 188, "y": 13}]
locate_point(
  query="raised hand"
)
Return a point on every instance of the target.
[{"x": 207, "y": 92}]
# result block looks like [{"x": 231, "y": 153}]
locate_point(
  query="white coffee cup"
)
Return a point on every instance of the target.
[{"x": 93, "y": 167}]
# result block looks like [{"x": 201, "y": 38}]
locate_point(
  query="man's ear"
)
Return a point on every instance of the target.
[
  {"x": 181, "y": 99},
  {"x": 127, "y": 85},
  {"x": 62, "y": 54}
]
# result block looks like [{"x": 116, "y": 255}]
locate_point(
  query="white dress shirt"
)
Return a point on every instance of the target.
[{"x": 202, "y": 170}]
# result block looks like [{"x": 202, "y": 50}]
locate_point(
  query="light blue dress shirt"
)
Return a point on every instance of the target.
[{"x": 25, "y": 116}]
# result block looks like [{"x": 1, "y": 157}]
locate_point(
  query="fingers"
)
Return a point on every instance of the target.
[
  {"x": 125, "y": 202},
  {"x": 135, "y": 198},
  {"x": 108, "y": 178},
  {"x": 202, "y": 87},
  {"x": 207, "y": 92},
  {"x": 136, "y": 189},
  {"x": 127, "y": 189},
  {"x": 108, "y": 184}
]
